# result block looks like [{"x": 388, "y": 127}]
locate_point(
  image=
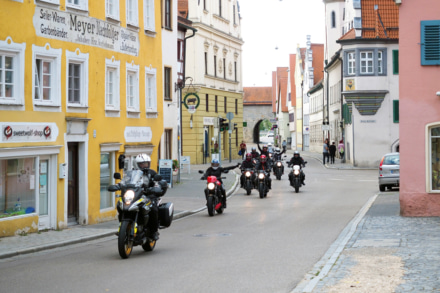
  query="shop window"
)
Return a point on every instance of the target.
[
  {"x": 105, "y": 179},
  {"x": 132, "y": 88},
  {"x": 434, "y": 172},
  {"x": 77, "y": 79},
  {"x": 150, "y": 90},
  {"x": 111, "y": 85},
  {"x": 17, "y": 187},
  {"x": 132, "y": 12},
  {"x": 149, "y": 15}
]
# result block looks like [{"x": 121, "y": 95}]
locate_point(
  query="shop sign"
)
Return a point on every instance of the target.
[
  {"x": 138, "y": 134},
  {"x": 69, "y": 27},
  {"x": 208, "y": 120},
  {"x": 28, "y": 132}
]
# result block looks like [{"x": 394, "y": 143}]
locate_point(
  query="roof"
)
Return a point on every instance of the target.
[
  {"x": 380, "y": 20},
  {"x": 281, "y": 95},
  {"x": 292, "y": 66},
  {"x": 257, "y": 96},
  {"x": 318, "y": 62}
]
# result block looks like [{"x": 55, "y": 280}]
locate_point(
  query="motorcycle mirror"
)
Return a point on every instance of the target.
[
  {"x": 117, "y": 176},
  {"x": 201, "y": 172},
  {"x": 113, "y": 188}
]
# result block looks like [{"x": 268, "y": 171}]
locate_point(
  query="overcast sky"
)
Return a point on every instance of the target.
[{"x": 270, "y": 24}]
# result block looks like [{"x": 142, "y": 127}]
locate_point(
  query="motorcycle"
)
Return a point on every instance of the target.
[
  {"x": 248, "y": 185},
  {"x": 260, "y": 183},
  {"x": 137, "y": 196},
  {"x": 213, "y": 194},
  {"x": 295, "y": 177},
  {"x": 277, "y": 169}
]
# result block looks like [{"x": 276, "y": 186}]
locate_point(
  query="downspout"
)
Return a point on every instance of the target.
[
  {"x": 179, "y": 134},
  {"x": 342, "y": 108}
]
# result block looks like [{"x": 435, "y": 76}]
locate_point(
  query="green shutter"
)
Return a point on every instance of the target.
[
  {"x": 395, "y": 61},
  {"x": 396, "y": 111}
]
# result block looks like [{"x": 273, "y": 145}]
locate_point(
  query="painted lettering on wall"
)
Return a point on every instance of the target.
[{"x": 80, "y": 29}]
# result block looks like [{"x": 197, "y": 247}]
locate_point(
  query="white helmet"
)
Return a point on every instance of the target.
[
  {"x": 143, "y": 161},
  {"x": 277, "y": 150}
]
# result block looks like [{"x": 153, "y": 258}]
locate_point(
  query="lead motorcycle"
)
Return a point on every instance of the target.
[
  {"x": 137, "y": 196},
  {"x": 247, "y": 184},
  {"x": 261, "y": 184},
  {"x": 213, "y": 194},
  {"x": 295, "y": 177}
]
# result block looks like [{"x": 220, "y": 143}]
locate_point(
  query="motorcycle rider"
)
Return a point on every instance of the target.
[
  {"x": 265, "y": 152},
  {"x": 254, "y": 153},
  {"x": 143, "y": 162},
  {"x": 277, "y": 157},
  {"x": 264, "y": 165},
  {"x": 246, "y": 164},
  {"x": 216, "y": 170},
  {"x": 297, "y": 160}
]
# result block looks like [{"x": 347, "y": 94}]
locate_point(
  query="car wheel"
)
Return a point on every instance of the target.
[{"x": 381, "y": 187}]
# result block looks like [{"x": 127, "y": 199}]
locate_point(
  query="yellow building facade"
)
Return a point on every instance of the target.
[{"x": 80, "y": 88}]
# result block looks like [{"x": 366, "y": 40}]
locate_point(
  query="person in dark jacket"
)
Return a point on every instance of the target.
[
  {"x": 297, "y": 160},
  {"x": 216, "y": 170},
  {"x": 254, "y": 153},
  {"x": 264, "y": 165},
  {"x": 246, "y": 164},
  {"x": 332, "y": 151},
  {"x": 277, "y": 156}
]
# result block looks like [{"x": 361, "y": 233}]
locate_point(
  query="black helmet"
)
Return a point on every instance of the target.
[{"x": 296, "y": 154}]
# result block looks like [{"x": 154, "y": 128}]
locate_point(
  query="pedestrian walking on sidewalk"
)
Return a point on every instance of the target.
[
  {"x": 243, "y": 149},
  {"x": 284, "y": 144},
  {"x": 332, "y": 150},
  {"x": 341, "y": 149},
  {"x": 325, "y": 153}
]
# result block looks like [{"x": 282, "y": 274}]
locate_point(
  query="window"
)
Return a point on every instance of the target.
[
  {"x": 168, "y": 143},
  {"x": 20, "y": 193},
  {"x": 105, "y": 179},
  {"x": 132, "y": 88},
  {"x": 351, "y": 63},
  {"x": 132, "y": 12},
  {"x": 226, "y": 105},
  {"x": 236, "y": 106},
  {"x": 235, "y": 70},
  {"x": 366, "y": 60},
  {"x": 206, "y": 62},
  {"x": 112, "y": 77},
  {"x": 150, "y": 90},
  {"x": 149, "y": 15},
  {"x": 77, "y": 79},
  {"x": 395, "y": 61},
  {"x": 167, "y": 14},
  {"x": 215, "y": 66},
  {"x": 224, "y": 68},
  {"x": 46, "y": 76},
  {"x": 112, "y": 9},
  {"x": 220, "y": 7},
  {"x": 216, "y": 104},
  {"x": 434, "y": 134},
  {"x": 204, "y": 4},
  {"x": 51, "y": 1},
  {"x": 233, "y": 14},
  {"x": 180, "y": 50},
  {"x": 430, "y": 42},
  {"x": 11, "y": 72},
  {"x": 207, "y": 102},
  {"x": 396, "y": 111},
  {"x": 379, "y": 62},
  {"x": 78, "y": 4},
  {"x": 333, "y": 19},
  {"x": 167, "y": 83}
]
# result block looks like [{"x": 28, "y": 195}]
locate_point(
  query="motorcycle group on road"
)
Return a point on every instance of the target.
[{"x": 141, "y": 211}]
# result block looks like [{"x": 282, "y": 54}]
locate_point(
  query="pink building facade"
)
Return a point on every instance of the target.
[{"x": 419, "y": 74}]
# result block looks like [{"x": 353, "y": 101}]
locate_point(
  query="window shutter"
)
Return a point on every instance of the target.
[
  {"x": 396, "y": 111},
  {"x": 395, "y": 61},
  {"x": 430, "y": 42}
]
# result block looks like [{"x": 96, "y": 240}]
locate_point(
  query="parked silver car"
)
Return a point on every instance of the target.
[{"x": 389, "y": 171}]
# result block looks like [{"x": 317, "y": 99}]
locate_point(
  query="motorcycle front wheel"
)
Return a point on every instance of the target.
[
  {"x": 262, "y": 190},
  {"x": 125, "y": 242},
  {"x": 211, "y": 205},
  {"x": 248, "y": 188}
]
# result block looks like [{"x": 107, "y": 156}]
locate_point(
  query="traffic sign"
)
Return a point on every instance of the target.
[{"x": 230, "y": 115}]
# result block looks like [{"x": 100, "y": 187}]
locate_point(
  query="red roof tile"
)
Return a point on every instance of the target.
[
  {"x": 318, "y": 62},
  {"x": 382, "y": 22},
  {"x": 257, "y": 96},
  {"x": 292, "y": 80}
]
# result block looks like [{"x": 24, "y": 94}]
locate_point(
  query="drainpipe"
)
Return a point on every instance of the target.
[
  {"x": 342, "y": 108},
  {"x": 179, "y": 134}
]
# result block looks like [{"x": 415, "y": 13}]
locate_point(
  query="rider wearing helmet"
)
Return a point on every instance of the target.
[
  {"x": 264, "y": 165},
  {"x": 216, "y": 170},
  {"x": 277, "y": 157},
  {"x": 255, "y": 154},
  {"x": 297, "y": 160},
  {"x": 246, "y": 164}
]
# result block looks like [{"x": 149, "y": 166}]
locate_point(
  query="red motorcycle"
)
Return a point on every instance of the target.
[{"x": 213, "y": 194}]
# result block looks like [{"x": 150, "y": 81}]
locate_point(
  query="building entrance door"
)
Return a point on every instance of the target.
[
  {"x": 73, "y": 184},
  {"x": 44, "y": 191}
]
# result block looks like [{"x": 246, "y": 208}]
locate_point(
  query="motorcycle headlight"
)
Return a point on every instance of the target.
[
  {"x": 279, "y": 164},
  {"x": 211, "y": 186},
  {"x": 296, "y": 172},
  {"x": 261, "y": 176},
  {"x": 128, "y": 197},
  {"x": 248, "y": 174}
]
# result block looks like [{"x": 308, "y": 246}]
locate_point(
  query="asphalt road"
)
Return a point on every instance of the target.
[{"x": 257, "y": 245}]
